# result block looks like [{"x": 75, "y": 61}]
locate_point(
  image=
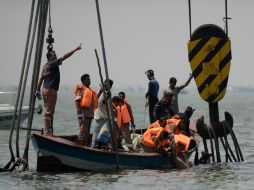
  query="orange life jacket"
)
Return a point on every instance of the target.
[
  {"x": 123, "y": 115},
  {"x": 89, "y": 97},
  {"x": 148, "y": 140},
  {"x": 182, "y": 142},
  {"x": 171, "y": 124},
  {"x": 154, "y": 125}
]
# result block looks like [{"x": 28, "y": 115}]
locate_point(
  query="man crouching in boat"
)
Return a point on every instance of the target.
[
  {"x": 86, "y": 101},
  {"x": 158, "y": 139}
]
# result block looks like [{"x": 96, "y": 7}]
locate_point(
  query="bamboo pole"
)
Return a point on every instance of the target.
[{"x": 107, "y": 78}]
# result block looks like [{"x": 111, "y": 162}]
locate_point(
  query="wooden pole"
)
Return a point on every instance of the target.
[
  {"x": 108, "y": 85},
  {"x": 105, "y": 98},
  {"x": 226, "y": 14}
]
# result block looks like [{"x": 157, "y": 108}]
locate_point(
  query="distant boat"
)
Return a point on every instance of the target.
[
  {"x": 7, "y": 110},
  {"x": 183, "y": 92},
  {"x": 61, "y": 153},
  {"x": 243, "y": 89}
]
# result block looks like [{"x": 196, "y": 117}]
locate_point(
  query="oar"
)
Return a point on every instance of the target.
[{"x": 28, "y": 129}]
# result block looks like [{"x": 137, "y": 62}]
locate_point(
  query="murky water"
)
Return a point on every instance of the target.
[{"x": 211, "y": 176}]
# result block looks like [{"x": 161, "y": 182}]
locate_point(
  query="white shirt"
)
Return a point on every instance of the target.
[{"x": 100, "y": 112}]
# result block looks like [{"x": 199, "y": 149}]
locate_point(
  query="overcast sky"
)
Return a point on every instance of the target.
[{"x": 138, "y": 34}]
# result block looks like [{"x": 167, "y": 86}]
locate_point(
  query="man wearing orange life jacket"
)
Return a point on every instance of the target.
[
  {"x": 179, "y": 123},
  {"x": 181, "y": 140},
  {"x": 172, "y": 127},
  {"x": 154, "y": 125},
  {"x": 124, "y": 101},
  {"x": 156, "y": 138},
  {"x": 86, "y": 101},
  {"x": 122, "y": 120}
]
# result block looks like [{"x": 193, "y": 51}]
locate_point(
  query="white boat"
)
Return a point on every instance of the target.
[{"x": 7, "y": 110}]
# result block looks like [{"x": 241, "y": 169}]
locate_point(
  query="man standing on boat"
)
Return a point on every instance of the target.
[
  {"x": 101, "y": 120},
  {"x": 86, "y": 102},
  {"x": 124, "y": 103},
  {"x": 124, "y": 118},
  {"x": 50, "y": 77},
  {"x": 152, "y": 93},
  {"x": 175, "y": 90}
]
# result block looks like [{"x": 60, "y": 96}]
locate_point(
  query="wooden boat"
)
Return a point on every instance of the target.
[{"x": 62, "y": 154}]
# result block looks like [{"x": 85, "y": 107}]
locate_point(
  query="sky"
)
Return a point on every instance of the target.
[{"x": 138, "y": 35}]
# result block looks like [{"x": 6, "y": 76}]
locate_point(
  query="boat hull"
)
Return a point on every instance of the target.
[{"x": 58, "y": 154}]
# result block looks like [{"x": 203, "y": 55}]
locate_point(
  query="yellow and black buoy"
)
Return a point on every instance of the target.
[{"x": 210, "y": 57}]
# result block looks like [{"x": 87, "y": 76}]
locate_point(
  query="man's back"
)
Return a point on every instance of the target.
[{"x": 174, "y": 103}]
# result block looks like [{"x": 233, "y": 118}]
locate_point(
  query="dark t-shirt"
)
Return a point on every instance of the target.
[
  {"x": 154, "y": 85},
  {"x": 162, "y": 110},
  {"x": 51, "y": 74}
]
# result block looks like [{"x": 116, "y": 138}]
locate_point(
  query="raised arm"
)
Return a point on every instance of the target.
[
  {"x": 186, "y": 83},
  {"x": 67, "y": 55}
]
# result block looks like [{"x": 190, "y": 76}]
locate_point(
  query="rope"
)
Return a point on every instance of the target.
[
  {"x": 226, "y": 13},
  {"x": 189, "y": 3},
  {"x": 32, "y": 43},
  {"x": 24, "y": 82},
  {"x": 36, "y": 70},
  {"x": 18, "y": 95},
  {"x": 50, "y": 14}
]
